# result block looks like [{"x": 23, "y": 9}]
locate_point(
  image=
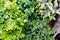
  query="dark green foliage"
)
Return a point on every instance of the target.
[{"x": 26, "y": 19}]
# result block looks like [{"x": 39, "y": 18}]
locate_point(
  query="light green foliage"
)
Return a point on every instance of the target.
[
  {"x": 12, "y": 20},
  {"x": 26, "y": 19}
]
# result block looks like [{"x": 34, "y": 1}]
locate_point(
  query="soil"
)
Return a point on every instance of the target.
[{"x": 55, "y": 24}]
